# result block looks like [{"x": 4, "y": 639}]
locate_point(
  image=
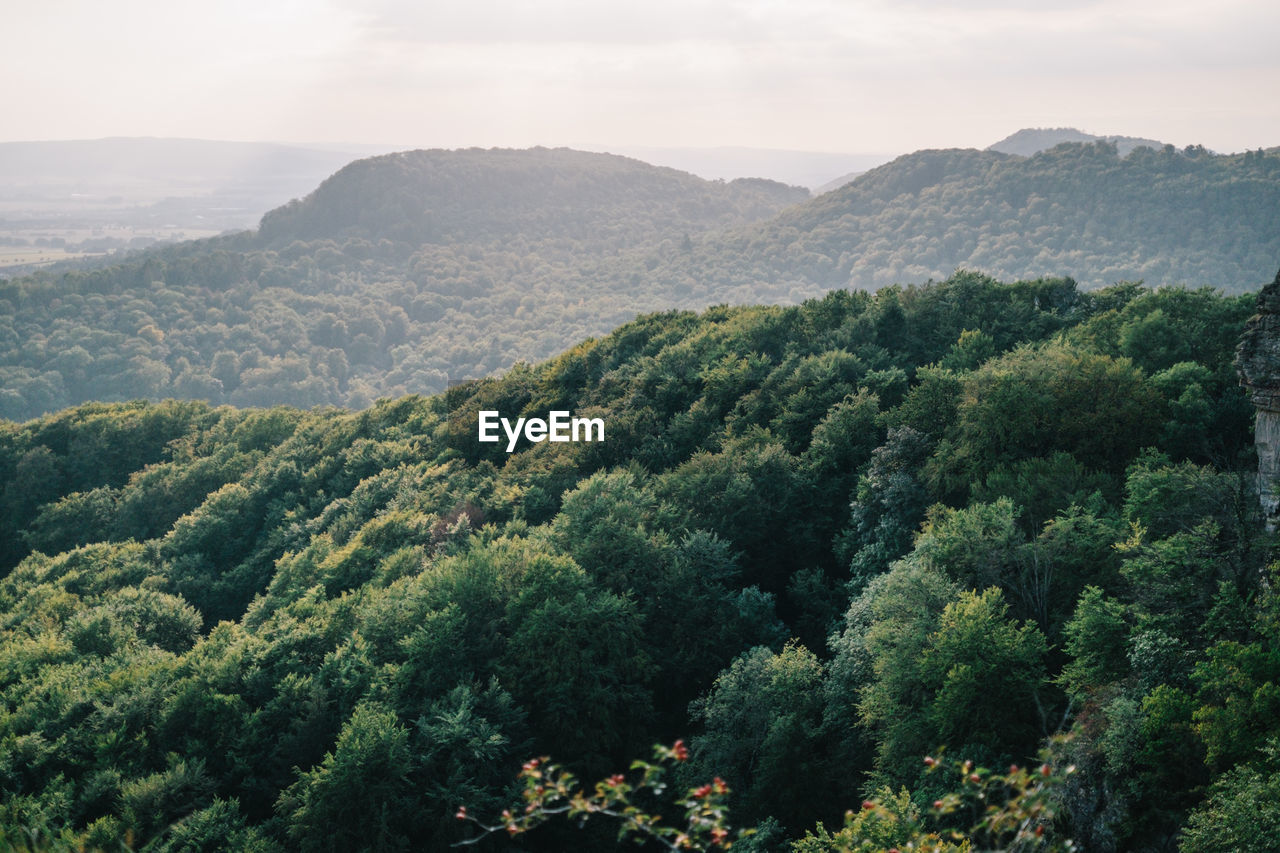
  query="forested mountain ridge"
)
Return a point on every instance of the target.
[
  {"x": 1164, "y": 216},
  {"x": 397, "y": 273},
  {"x": 405, "y": 270},
  {"x": 977, "y": 509},
  {"x": 477, "y": 196}
]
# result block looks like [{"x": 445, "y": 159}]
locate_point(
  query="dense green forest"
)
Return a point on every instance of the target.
[
  {"x": 402, "y": 272},
  {"x": 818, "y": 542},
  {"x": 396, "y": 274},
  {"x": 1164, "y": 216}
]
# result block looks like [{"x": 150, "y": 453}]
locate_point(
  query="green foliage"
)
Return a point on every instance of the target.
[
  {"x": 1239, "y": 698},
  {"x": 888, "y": 506},
  {"x": 358, "y": 798},
  {"x": 1008, "y": 811},
  {"x": 1095, "y": 642},
  {"x": 327, "y": 629},
  {"x": 550, "y": 791},
  {"x": 151, "y": 803},
  {"x": 1242, "y": 811},
  {"x": 762, "y": 722},
  {"x": 363, "y": 289},
  {"x": 946, "y": 669},
  {"x": 1038, "y": 400}
]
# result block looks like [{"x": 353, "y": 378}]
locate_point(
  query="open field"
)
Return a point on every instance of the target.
[
  {"x": 40, "y": 244},
  {"x": 39, "y": 256}
]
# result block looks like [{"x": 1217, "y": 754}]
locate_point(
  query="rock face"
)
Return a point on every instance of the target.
[{"x": 1258, "y": 363}]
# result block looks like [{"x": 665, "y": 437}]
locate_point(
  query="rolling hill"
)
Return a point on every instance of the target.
[
  {"x": 404, "y": 271},
  {"x": 1165, "y": 217},
  {"x": 476, "y": 195}
]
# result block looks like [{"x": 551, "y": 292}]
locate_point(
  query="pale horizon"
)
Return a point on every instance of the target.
[{"x": 809, "y": 76}]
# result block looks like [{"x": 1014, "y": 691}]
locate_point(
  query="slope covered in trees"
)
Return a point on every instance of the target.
[
  {"x": 817, "y": 542},
  {"x": 1164, "y": 216},
  {"x": 395, "y": 274},
  {"x": 477, "y": 196},
  {"x": 403, "y": 271}
]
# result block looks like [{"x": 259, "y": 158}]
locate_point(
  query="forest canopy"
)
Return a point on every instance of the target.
[{"x": 818, "y": 543}]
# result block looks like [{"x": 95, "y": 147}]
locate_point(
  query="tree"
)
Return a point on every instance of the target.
[
  {"x": 360, "y": 797},
  {"x": 966, "y": 676},
  {"x": 1038, "y": 400},
  {"x": 762, "y": 723},
  {"x": 1242, "y": 811}
]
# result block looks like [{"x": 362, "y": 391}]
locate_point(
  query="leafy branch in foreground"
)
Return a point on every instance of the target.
[
  {"x": 550, "y": 791},
  {"x": 1011, "y": 811}
]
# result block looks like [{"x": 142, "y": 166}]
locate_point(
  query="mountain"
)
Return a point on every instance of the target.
[
  {"x": 1162, "y": 216},
  {"x": 816, "y": 543},
  {"x": 401, "y": 273},
  {"x": 476, "y": 195},
  {"x": 1033, "y": 140},
  {"x": 395, "y": 275}
]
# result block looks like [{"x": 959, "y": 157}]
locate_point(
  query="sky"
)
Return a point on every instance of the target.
[{"x": 856, "y": 76}]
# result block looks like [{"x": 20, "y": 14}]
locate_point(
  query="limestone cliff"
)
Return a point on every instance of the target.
[{"x": 1258, "y": 363}]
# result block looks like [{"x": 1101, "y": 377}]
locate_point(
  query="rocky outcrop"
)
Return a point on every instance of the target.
[{"x": 1258, "y": 363}]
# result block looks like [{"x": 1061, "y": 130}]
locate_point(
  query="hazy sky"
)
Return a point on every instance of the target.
[{"x": 822, "y": 75}]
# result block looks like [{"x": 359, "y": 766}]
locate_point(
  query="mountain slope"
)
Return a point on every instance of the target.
[
  {"x": 402, "y": 272},
  {"x": 475, "y": 195},
  {"x": 1166, "y": 217},
  {"x": 396, "y": 274}
]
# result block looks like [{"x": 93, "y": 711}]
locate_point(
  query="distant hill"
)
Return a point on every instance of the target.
[
  {"x": 1163, "y": 216},
  {"x": 1033, "y": 140},
  {"x": 402, "y": 272},
  {"x": 439, "y": 197},
  {"x": 395, "y": 275}
]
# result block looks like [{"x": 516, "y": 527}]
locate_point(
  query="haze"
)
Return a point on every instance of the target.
[{"x": 815, "y": 75}]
